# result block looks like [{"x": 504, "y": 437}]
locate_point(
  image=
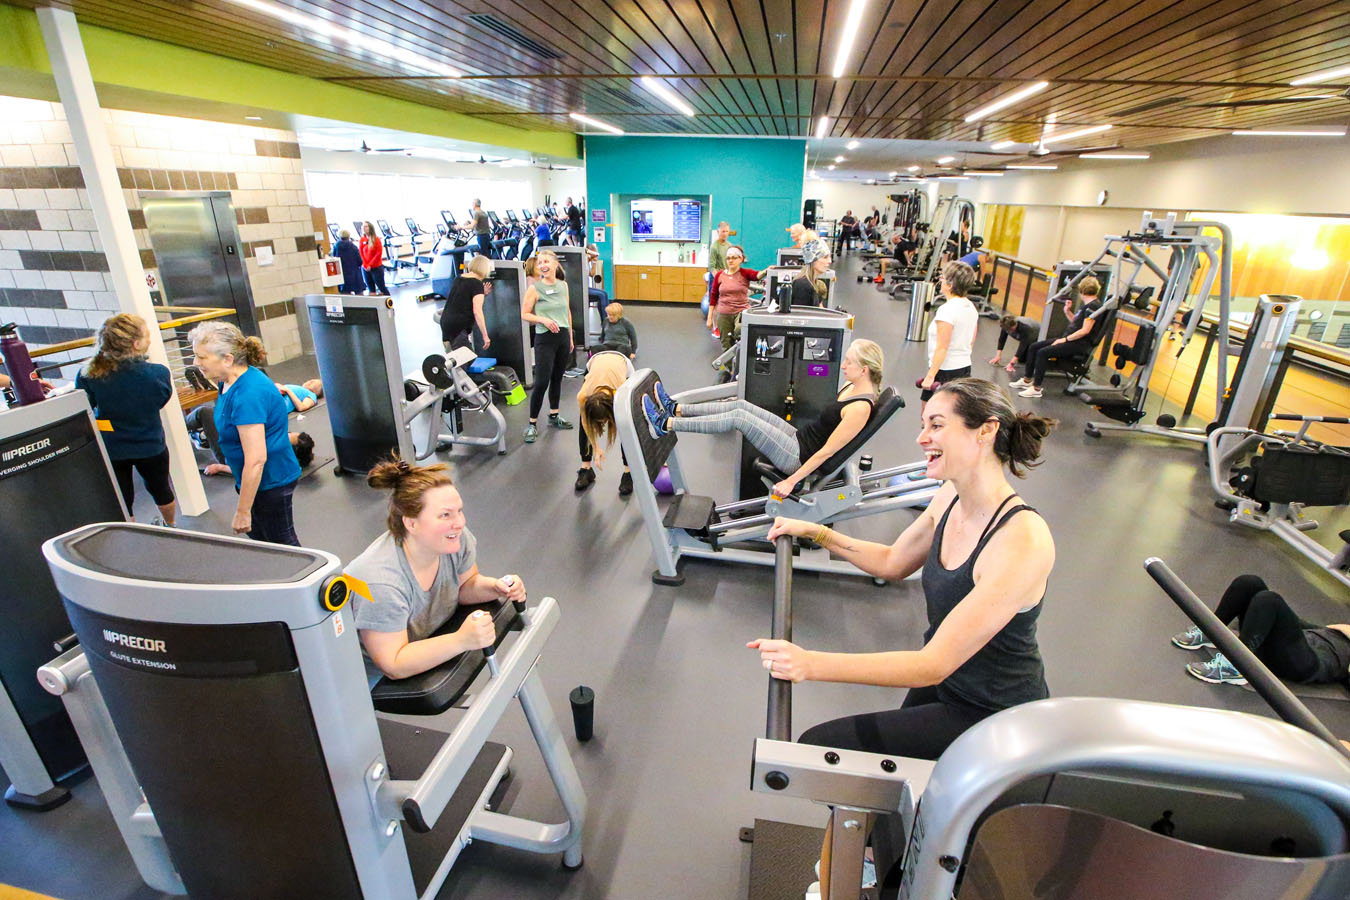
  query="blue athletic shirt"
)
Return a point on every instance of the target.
[
  {"x": 543, "y": 233},
  {"x": 971, "y": 259},
  {"x": 300, "y": 391},
  {"x": 254, "y": 400},
  {"x": 129, "y": 398}
]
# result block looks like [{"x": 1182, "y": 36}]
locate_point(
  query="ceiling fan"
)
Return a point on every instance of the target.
[{"x": 366, "y": 148}]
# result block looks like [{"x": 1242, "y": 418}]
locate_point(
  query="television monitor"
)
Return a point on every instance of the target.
[{"x": 666, "y": 220}]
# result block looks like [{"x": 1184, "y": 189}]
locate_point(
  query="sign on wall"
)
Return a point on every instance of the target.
[
  {"x": 599, "y": 234},
  {"x": 599, "y": 215}
]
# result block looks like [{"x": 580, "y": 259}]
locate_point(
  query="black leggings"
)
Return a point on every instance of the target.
[
  {"x": 550, "y": 361},
  {"x": 585, "y": 444},
  {"x": 154, "y": 472},
  {"x": 375, "y": 280},
  {"x": 922, "y": 728},
  {"x": 1040, "y": 353},
  {"x": 1268, "y": 627}
]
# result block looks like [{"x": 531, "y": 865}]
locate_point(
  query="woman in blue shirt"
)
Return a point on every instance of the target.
[
  {"x": 250, "y": 419},
  {"x": 126, "y": 392}
]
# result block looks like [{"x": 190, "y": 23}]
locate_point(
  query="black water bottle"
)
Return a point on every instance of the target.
[{"x": 583, "y": 712}]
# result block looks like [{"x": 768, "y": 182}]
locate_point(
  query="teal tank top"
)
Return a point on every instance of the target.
[{"x": 552, "y": 304}]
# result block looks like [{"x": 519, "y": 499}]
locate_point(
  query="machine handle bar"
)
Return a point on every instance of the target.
[
  {"x": 1330, "y": 420},
  {"x": 1287, "y": 706},
  {"x": 779, "y": 724}
]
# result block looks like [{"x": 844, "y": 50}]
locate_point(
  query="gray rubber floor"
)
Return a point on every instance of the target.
[{"x": 679, "y": 698}]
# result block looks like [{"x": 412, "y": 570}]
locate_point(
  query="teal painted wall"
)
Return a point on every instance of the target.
[{"x": 754, "y": 184}]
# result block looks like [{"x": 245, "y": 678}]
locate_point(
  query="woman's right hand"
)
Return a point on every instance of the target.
[
  {"x": 478, "y": 631},
  {"x": 710, "y": 321},
  {"x": 792, "y": 527},
  {"x": 551, "y": 325},
  {"x": 998, "y": 357},
  {"x": 487, "y": 342}
]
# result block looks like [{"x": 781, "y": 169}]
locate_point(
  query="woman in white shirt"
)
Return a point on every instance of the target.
[{"x": 951, "y": 334}]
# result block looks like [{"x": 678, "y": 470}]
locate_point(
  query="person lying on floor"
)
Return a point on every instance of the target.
[
  {"x": 1293, "y": 648},
  {"x": 796, "y": 451}
]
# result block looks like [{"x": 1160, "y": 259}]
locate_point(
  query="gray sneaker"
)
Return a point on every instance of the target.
[
  {"x": 1217, "y": 671},
  {"x": 559, "y": 422},
  {"x": 1192, "y": 639},
  {"x": 531, "y": 432}
]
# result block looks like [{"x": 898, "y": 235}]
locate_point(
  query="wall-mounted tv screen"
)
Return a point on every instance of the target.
[{"x": 666, "y": 220}]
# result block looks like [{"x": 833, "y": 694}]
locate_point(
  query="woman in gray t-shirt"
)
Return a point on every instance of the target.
[{"x": 419, "y": 571}]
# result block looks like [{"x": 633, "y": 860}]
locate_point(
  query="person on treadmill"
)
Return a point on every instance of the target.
[
  {"x": 797, "y": 452},
  {"x": 986, "y": 558},
  {"x": 419, "y": 571},
  {"x": 1293, "y": 648}
]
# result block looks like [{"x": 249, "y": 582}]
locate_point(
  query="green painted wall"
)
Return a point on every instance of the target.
[
  {"x": 754, "y": 184},
  {"x": 124, "y": 64}
]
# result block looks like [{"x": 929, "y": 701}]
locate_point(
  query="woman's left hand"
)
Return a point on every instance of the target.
[
  {"x": 510, "y": 587},
  {"x": 571, "y": 341},
  {"x": 784, "y": 659},
  {"x": 243, "y": 521},
  {"x": 924, "y": 384},
  {"x": 784, "y": 488}
]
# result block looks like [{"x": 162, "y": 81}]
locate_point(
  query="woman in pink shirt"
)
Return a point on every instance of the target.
[{"x": 730, "y": 295}]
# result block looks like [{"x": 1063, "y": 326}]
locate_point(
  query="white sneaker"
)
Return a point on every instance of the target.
[
  {"x": 813, "y": 892},
  {"x": 1033, "y": 392},
  {"x": 1020, "y": 383}
]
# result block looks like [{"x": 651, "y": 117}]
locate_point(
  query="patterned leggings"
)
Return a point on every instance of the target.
[{"x": 769, "y": 434}]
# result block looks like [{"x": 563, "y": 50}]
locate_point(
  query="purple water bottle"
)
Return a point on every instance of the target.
[{"x": 19, "y": 365}]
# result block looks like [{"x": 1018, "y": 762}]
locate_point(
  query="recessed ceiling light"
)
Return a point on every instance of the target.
[
  {"x": 821, "y": 126},
  {"x": 830, "y": 167},
  {"x": 360, "y": 41},
  {"x": 1311, "y": 132},
  {"x": 1003, "y": 145},
  {"x": 1037, "y": 168},
  {"x": 945, "y": 159},
  {"x": 595, "y": 123},
  {"x": 1113, "y": 156},
  {"x": 1320, "y": 76},
  {"x": 851, "y": 145},
  {"x": 253, "y": 118},
  {"x": 1076, "y": 133},
  {"x": 846, "y": 39},
  {"x": 665, "y": 93},
  {"x": 1007, "y": 101},
  {"x": 838, "y": 159}
]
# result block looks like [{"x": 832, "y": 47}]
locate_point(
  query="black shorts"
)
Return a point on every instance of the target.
[
  {"x": 154, "y": 472},
  {"x": 944, "y": 376}
]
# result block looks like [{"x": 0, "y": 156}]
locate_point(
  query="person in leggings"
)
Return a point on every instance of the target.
[
  {"x": 1075, "y": 342},
  {"x": 547, "y": 307},
  {"x": 606, "y": 371},
  {"x": 1293, "y": 648},
  {"x": 986, "y": 559},
  {"x": 798, "y": 453},
  {"x": 126, "y": 392}
]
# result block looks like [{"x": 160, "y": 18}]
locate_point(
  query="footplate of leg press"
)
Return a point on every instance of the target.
[{"x": 690, "y": 512}]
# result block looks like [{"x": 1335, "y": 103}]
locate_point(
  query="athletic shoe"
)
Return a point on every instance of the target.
[
  {"x": 1217, "y": 671},
  {"x": 659, "y": 392},
  {"x": 626, "y": 484},
  {"x": 716, "y": 335},
  {"x": 1033, "y": 392},
  {"x": 1192, "y": 639},
  {"x": 531, "y": 432},
  {"x": 656, "y": 417},
  {"x": 1020, "y": 383},
  {"x": 812, "y": 892},
  {"x": 558, "y": 421},
  {"x": 585, "y": 478},
  {"x": 574, "y": 372},
  {"x": 878, "y": 280}
]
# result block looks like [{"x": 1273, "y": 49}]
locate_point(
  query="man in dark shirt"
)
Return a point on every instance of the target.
[
  {"x": 574, "y": 223},
  {"x": 482, "y": 229}
]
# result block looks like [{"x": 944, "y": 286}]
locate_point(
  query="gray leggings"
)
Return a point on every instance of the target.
[{"x": 769, "y": 434}]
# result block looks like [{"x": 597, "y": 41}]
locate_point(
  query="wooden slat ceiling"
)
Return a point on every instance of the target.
[{"x": 762, "y": 67}]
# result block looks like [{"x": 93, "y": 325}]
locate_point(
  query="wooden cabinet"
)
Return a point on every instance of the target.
[{"x": 668, "y": 284}]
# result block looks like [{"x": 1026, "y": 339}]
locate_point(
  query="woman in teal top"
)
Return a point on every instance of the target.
[
  {"x": 251, "y": 421},
  {"x": 546, "y": 305}
]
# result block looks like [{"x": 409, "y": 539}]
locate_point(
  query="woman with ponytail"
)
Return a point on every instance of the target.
[
  {"x": 605, "y": 372},
  {"x": 126, "y": 392},
  {"x": 251, "y": 422},
  {"x": 422, "y": 568},
  {"x": 986, "y": 558}
]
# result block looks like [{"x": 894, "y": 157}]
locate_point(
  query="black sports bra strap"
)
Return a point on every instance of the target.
[
  {"x": 996, "y": 525},
  {"x": 991, "y": 524}
]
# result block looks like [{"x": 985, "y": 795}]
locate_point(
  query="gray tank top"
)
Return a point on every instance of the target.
[{"x": 1008, "y": 669}]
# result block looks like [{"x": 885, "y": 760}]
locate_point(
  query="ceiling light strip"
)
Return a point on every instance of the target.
[
  {"x": 1311, "y": 132},
  {"x": 1003, "y": 145},
  {"x": 850, "y": 33},
  {"x": 313, "y": 25},
  {"x": 1076, "y": 133},
  {"x": 1014, "y": 97},
  {"x": 1036, "y": 168},
  {"x": 672, "y": 99},
  {"x": 821, "y": 127},
  {"x": 1113, "y": 156},
  {"x": 1319, "y": 77},
  {"x": 595, "y": 123}
]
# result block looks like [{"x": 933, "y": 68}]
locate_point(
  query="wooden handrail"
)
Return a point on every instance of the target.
[
  {"x": 1035, "y": 269},
  {"x": 202, "y": 316}
]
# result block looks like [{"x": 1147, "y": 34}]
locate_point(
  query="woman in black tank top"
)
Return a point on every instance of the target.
[{"x": 986, "y": 558}]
